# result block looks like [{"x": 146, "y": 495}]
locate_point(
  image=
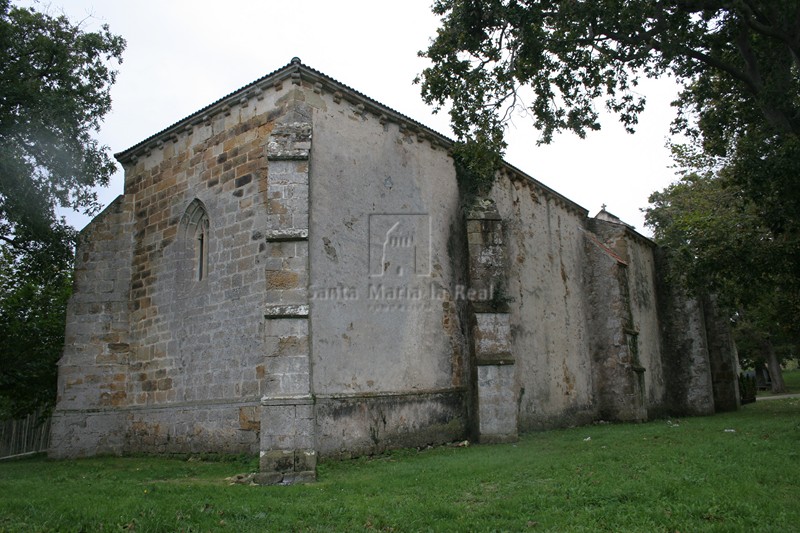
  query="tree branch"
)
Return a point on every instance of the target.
[
  {"x": 746, "y": 52},
  {"x": 15, "y": 244},
  {"x": 649, "y": 40}
]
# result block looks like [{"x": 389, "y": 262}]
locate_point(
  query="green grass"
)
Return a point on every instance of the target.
[
  {"x": 791, "y": 379},
  {"x": 684, "y": 475}
]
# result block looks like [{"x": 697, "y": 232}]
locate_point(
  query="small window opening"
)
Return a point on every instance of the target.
[
  {"x": 201, "y": 248},
  {"x": 196, "y": 243},
  {"x": 201, "y": 256}
]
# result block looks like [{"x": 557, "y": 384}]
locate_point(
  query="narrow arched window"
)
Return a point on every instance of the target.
[
  {"x": 195, "y": 236},
  {"x": 201, "y": 249}
]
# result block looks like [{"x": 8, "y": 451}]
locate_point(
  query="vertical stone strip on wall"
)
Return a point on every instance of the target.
[
  {"x": 497, "y": 410},
  {"x": 617, "y": 371},
  {"x": 722, "y": 357},
  {"x": 689, "y": 388},
  {"x": 287, "y": 414}
]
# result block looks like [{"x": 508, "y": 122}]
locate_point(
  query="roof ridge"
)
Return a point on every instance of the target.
[
  {"x": 295, "y": 70},
  {"x": 295, "y": 66}
]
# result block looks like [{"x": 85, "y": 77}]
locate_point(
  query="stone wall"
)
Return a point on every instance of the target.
[
  {"x": 288, "y": 443},
  {"x": 195, "y": 334},
  {"x": 548, "y": 310},
  {"x": 624, "y": 287},
  {"x": 687, "y": 370},
  {"x": 595, "y": 332},
  {"x": 643, "y": 294},
  {"x": 292, "y": 271},
  {"x": 618, "y": 371},
  {"x": 93, "y": 371},
  {"x": 390, "y": 364},
  {"x": 197, "y": 322},
  {"x": 723, "y": 361},
  {"x": 496, "y": 391}
]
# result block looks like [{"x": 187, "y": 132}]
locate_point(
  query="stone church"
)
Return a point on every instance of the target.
[{"x": 293, "y": 271}]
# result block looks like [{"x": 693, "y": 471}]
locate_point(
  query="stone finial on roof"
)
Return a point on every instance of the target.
[
  {"x": 296, "y": 61},
  {"x": 610, "y": 217}
]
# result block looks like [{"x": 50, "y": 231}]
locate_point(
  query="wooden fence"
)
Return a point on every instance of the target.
[{"x": 24, "y": 436}]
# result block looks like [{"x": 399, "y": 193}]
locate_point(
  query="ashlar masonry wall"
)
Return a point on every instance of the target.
[
  {"x": 191, "y": 280},
  {"x": 546, "y": 295},
  {"x": 293, "y": 271},
  {"x": 93, "y": 371},
  {"x": 389, "y": 357}
]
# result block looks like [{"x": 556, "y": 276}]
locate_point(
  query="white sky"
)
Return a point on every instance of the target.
[{"x": 184, "y": 54}]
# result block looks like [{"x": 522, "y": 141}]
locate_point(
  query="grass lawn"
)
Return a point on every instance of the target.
[
  {"x": 791, "y": 378},
  {"x": 730, "y": 472}
]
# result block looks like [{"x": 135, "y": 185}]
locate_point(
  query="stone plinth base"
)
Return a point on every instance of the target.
[{"x": 287, "y": 467}]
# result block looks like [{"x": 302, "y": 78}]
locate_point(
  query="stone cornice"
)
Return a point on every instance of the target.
[
  {"x": 364, "y": 395},
  {"x": 513, "y": 173},
  {"x": 638, "y": 237},
  {"x": 296, "y": 73}
]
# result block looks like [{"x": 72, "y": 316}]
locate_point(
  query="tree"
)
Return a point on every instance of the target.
[
  {"x": 737, "y": 60},
  {"x": 718, "y": 244},
  {"x": 54, "y": 90},
  {"x": 733, "y": 223},
  {"x": 33, "y": 300},
  {"x": 570, "y": 53}
]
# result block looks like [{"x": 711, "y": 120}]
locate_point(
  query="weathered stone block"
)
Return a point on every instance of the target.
[
  {"x": 268, "y": 478},
  {"x": 282, "y": 280},
  {"x": 277, "y": 461},
  {"x": 305, "y": 460},
  {"x": 492, "y": 337},
  {"x": 497, "y": 405}
]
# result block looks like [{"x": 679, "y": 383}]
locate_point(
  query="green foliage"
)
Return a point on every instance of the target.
[
  {"x": 569, "y": 54},
  {"x": 33, "y": 299},
  {"x": 718, "y": 242},
  {"x": 734, "y": 141},
  {"x": 792, "y": 379},
  {"x": 475, "y": 170},
  {"x": 666, "y": 475},
  {"x": 736, "y": 61},
  {"x": 715, "y": 237},
  {"x": 54, "y": 90},
  {"x": 486, "y": 51}
]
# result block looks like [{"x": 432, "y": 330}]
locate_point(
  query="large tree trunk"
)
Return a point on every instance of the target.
[{"x": 774, "y": 366}]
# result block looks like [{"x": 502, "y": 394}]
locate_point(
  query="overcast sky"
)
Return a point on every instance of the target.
[{"x": 184, "y": 54}]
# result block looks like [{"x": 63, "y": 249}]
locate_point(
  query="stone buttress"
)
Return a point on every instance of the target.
[
  {"x": 287, "y": 408},
  {"x": 495, "y": 383},
  {"x": 618, "y": 371}
]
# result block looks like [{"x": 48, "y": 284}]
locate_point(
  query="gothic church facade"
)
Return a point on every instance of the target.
[{"x": 293, "y": 271}]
